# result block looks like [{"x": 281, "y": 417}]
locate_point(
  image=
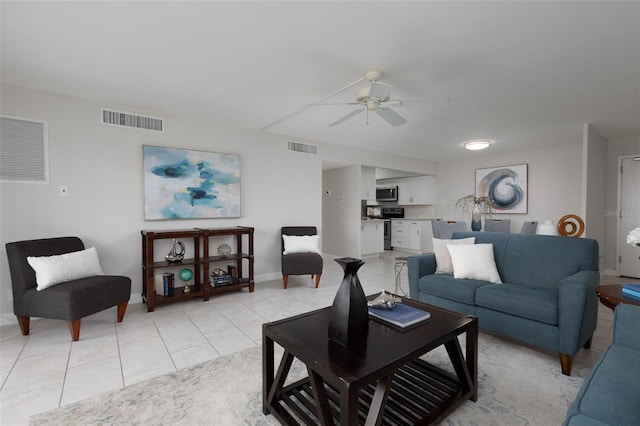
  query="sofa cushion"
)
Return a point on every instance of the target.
[
  {"x": 447, "y": 287},
  {"x": 443, "y": 258},
  {"x": 611, "y": 391},
  {"x": 538, "y": 304},
  {"x": 56, "y": 269},
  {"x": 474, "y": 261},
  {"x": 301, "y": 244}
]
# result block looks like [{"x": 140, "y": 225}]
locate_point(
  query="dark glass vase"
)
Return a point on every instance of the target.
[{"x": 349, "y": 315}]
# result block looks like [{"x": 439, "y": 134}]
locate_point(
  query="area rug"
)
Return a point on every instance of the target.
[{"x": 517, "y": 386}]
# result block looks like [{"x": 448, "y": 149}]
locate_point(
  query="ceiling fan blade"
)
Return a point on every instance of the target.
[
  {"x": 391, "y": 117},
  {"x": 332, "y": 104},
  {"x": 346, "y": 117},
  {"x": 418, "y": 101},
  {"x": 380, "y": 90}
]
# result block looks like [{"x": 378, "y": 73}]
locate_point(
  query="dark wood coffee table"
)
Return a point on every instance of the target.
[
  {"x": 383, "y": 381},
  {"x": 611, "y": 295}
]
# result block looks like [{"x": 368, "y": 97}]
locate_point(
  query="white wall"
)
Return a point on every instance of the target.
[
  {"x": 594, "y": 187},
  {"x": 553, "y": 186},
  {"x": 102, "y": 165},
  {"x": 615, "y": 148}
]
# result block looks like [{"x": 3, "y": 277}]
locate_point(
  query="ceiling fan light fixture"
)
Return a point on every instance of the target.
[
  {"x": 372, "y": 106},
  {"x": 478, "y": 144}
]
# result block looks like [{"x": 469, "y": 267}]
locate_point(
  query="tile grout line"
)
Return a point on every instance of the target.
[
  {"x": 119, "y": 352},
  {"x": 66, "y": 371},
  {"x": 202, "y": 334}
]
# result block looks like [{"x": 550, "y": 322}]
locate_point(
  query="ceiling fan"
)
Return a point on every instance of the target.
[{"x": 375, "y": 98}]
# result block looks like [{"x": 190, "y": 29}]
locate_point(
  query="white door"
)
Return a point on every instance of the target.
[{"x": 629, "y": 216}]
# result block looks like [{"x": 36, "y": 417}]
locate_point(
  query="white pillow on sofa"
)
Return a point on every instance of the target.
[
  {"x": 443, "y": 260},
  {"x": 301, "y": 244},
  {"x": 52, "y": 270},
  {"x": 474, "y": 261}
]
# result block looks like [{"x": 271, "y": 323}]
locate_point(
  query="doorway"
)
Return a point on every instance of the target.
[{"x": 628, "y": 215}]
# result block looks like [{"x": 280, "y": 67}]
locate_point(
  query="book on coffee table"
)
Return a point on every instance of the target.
[
  {"x": 401, "y": 315},
  {"x": 631, "y": 289}
]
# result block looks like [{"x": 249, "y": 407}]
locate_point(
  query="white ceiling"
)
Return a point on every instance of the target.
[{"x": 527, "y": 74}]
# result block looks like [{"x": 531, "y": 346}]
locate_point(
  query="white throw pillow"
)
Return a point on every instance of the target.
[
  {"x": 301, "y": 244},
  {"x": 443, "y": 260},
  {"x": 474, "y": 262},
  {"x": 52, "y": 270}
]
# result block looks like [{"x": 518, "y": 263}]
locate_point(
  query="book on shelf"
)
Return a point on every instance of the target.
[
  {"x": 401, "y": 315},
  {"x": 168, "y": 283},
  {"x": 218, "y": 280}
]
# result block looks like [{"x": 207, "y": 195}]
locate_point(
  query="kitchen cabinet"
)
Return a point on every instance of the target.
[
  {"x": 400, "y": 237},
  {"x": 418, "y": 190},
  {"x": 368, "y": 183},
  {"x": 371, "y": 236},
  {"x": 412, "y": 235}
]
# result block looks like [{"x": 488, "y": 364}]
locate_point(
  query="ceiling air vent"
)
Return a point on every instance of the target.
[
  {"x": 127, "y": 119},
  {"x": 303, "y": 147}
]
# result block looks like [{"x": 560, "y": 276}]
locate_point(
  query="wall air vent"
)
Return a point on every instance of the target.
[
  {"x": 303, "y": 147},
  {"x": 23, "y": 150},
  {"x": 127, "y": 119}
]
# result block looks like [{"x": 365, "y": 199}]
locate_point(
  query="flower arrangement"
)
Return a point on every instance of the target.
[
  {"x": 477, "y": 206},
  {"x": 634, "y": 237},
  {"x": 467, "y": 204}
]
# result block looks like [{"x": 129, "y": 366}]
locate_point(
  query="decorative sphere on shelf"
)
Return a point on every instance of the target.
[
  {"x": 186, "y": 274},
  {"x": 224, "y": 250}
]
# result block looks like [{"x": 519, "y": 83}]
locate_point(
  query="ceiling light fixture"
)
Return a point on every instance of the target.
[{"x": 478, "y": 144}]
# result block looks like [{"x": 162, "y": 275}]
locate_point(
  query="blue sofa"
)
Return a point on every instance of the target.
[
  {"x": 547, "y": 297},
  {"x": 610, "y": 395}
]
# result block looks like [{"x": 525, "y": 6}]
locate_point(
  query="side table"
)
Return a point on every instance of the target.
[{"x": 611, "y": 295}]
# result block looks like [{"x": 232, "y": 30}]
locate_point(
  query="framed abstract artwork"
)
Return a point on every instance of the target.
[
  {"x": 188, "y": 184},
  {"x": 506, "y": 186}
]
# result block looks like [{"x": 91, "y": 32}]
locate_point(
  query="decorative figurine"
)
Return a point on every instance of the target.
[{"x": 174, "y": 255}]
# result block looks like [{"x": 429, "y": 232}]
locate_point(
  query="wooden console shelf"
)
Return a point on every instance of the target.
[{"x": 201, "y": 265}]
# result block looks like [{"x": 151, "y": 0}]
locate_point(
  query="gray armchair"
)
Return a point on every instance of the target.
[
  {"x": 69, "y": 301},
  {"x": 300, "y": 263}
]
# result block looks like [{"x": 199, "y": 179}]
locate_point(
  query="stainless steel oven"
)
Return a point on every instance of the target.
[
  {"x": 389, "y": 213},
  {"x": 387, "y": 234}
]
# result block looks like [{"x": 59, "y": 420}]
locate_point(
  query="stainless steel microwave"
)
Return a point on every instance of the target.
[{"x": 387, "y": 193}]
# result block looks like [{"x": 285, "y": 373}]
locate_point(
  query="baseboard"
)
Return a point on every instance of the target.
[{"x": 8, "y": 319}]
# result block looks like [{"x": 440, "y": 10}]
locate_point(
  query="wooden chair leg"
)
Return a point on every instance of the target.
[
  {"x": 74, "y": 328},
  {"x": 318, "y": 279},
  {"x": 24, "y": 324},
  {"x": 285, "y": 279},
  {"x": 566, "y": 362},
  {"x": 122, "y": 308}
]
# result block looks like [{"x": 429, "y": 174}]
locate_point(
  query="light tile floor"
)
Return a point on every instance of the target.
[{"x": 46, "y": 370}]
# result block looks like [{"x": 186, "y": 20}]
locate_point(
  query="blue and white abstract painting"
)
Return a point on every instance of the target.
[
  {"x": 506, "y": 186},
  {"x": 188, "y": 184}
]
